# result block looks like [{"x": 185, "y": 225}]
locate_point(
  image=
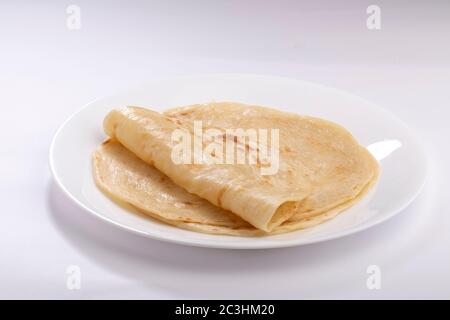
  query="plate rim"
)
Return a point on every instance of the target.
[{"x": 237, "y": 245}]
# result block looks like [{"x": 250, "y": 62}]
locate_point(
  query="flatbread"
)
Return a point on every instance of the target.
[
  {"x": 129, "y": 180},
  {"x": 322, "y": 168}
]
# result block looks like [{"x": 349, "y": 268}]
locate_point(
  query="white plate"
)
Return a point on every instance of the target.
[{"x": 403, "y": 162}]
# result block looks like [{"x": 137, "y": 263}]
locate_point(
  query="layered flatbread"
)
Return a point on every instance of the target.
[
  {"x": 322, "y": 169},
  {"x": 128, "y": 179}
]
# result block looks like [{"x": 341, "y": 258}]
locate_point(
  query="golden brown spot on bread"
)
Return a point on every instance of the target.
[{"x": 220, "y": 195}]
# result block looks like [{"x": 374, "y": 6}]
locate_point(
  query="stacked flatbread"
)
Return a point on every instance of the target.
[{"x": 321, "y": 170}]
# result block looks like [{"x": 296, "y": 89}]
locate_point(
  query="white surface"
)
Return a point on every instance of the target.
[
  {"x": 402, "y": 158},
  {"x": 48, "y": 72}
]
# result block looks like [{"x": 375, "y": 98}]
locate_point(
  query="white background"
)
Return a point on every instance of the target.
[{"x": 47, "y": 72}]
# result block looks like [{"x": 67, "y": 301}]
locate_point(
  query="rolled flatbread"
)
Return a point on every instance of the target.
[
  {"x": 321, "y": 166},
  {"x": 128, "y": 180}
]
